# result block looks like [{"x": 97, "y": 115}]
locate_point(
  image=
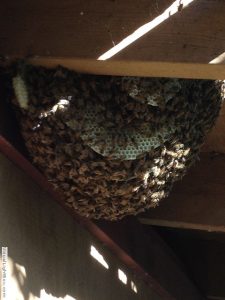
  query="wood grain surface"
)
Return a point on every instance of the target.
[{"x": 76, "y": 33}]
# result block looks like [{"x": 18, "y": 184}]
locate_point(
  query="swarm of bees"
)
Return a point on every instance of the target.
[{"x": 113, "y": 145}]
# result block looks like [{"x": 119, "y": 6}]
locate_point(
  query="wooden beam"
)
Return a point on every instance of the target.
[
  {"x": 196, "y": 202},
  {"x": 135, "y": 68},
  {"x": 76, "y": 34}
]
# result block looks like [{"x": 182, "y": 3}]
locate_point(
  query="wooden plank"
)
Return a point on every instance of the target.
[
  {"x": 196, "y": 202},
  {"x": 77, "y": 34},
  {"x": 135, "y": 68}
]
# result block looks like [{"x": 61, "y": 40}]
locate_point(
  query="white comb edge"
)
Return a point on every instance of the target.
[{"x": 21, "y": 92}]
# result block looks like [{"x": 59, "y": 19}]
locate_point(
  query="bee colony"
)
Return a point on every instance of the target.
[{"x": 113, "y": 145}]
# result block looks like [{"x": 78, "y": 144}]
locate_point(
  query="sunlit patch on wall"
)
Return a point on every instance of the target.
[
  {"x": 21, "y": 273},
  {"x": 16, "y": 276},
  {"x": 219, "y": 59},
  {"x": 16, "y": 282},
  {"x": 122, "y": 276},
  {"x": 46, "y": 296},
  {"x": 99, "y": 257},
  {"x": 174, "y": 8},
  {"x": 133, "y": 287}
]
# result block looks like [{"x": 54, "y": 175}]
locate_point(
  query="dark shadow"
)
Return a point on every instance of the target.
[
  {"x": 203, "y": 254},
  {"x": 9, "y": 127}
]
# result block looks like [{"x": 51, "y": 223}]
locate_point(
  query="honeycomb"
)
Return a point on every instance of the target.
[{"x": 137, "y": 142}]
